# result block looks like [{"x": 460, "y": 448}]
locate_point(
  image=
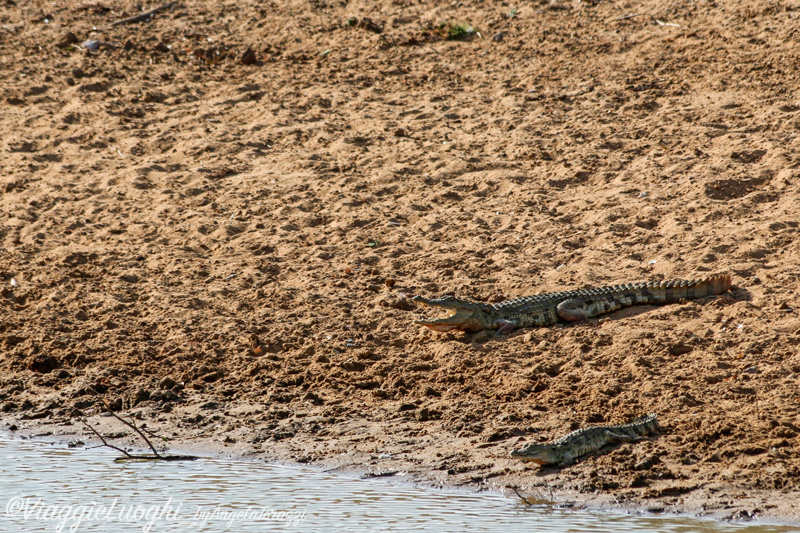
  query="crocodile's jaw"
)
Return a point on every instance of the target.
[
  {"x": 458, "y": 319},
  {"x": 536, "y": 453}
]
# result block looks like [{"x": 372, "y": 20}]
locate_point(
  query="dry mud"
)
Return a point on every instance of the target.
[{"x": 227, "y": 251}]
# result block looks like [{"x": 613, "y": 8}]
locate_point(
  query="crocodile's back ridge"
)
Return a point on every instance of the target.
[{"x": 541, "y": 309}]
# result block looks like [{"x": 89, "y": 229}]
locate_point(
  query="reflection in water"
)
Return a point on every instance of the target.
[{"x": 48, "y": 487}]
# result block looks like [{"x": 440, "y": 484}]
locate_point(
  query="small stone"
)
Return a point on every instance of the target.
[
  {"x": 142, "y": 395},
  {"x": 68, "y": 40},
  {"x": 680, "y": 349},
  {"x": 163, "y": 396},
  {"x": 689, "y": 401},
  {"x": 370, "y": 25},
  {"x": 498, "y": 37},
  {"x": 249, "y": 57},
  {"x": 42, "y": 363},
  {"x": 92, "y": 45}
]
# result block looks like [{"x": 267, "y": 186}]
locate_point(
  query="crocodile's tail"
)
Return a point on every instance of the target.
[
  {"x": 609, "y": 299},
  {"x": 579, "y": 305},
  {"x": 664, "y": 292},
  {"x": 646, "y": 424}
]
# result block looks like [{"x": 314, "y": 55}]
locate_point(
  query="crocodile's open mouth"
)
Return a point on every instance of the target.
[{"x": 456, "y": 316}]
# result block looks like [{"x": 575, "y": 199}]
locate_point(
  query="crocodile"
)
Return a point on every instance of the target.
[
  {"x": 568, "y": 306},
  {"x": 565, "y": 450}
]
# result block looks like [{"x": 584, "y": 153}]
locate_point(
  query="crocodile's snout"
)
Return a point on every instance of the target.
[
  {"x": 534, "y": 453},
  {"x": 458, "y": 313}
]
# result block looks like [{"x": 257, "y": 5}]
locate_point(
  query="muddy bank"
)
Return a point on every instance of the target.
[{"x": 226, "y": 244}]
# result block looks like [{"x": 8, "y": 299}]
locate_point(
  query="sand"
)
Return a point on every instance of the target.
[{"x": 224, "y": 244}]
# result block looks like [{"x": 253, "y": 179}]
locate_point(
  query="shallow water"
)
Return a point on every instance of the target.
[{"x": 50, "y": 487}]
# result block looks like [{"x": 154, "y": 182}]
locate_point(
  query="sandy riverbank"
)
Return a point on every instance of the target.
[{"x": 228, "y": 250}]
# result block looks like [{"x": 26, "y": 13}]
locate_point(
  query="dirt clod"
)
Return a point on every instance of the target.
[
  {"x": 42, "y": 363},
  {"x": 249, "y": 57}
]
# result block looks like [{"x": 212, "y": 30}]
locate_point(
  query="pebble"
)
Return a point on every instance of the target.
[
  {"x": 42, "y": 363},
  {"x": 249, "y": 57}
]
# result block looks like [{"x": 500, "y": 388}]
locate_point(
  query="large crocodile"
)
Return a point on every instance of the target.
[
  {"x": 583, "y": 441},
  {"x": 547, "y": 309}
]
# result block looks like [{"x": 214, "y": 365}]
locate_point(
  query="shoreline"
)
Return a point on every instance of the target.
[{"x": 694, "y": 508}]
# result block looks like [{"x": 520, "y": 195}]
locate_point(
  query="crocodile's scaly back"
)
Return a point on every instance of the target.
[
  {"x": 547, "y": 309},
  {"x": 565, "y": 450}
]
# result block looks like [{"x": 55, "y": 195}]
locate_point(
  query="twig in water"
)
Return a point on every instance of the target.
[
  {"x": 521, "y": 497},
  {"x": 144, "y": 16},
  {"x": 133, "y": 426},
  {"x": 85, "y": 423},
  {"x": 155, "y": 456}
]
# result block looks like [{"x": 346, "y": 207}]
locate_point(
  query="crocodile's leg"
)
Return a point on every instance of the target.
[
  {"x": 572, "y": 310},
  {"x": 506, "y": 326},
  {"x": 568, "y": 460}
]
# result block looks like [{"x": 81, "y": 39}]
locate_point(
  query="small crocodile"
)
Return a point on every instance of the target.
[
  {"x": 570, "y": 306},
  {"x": 565, "y": 450}
]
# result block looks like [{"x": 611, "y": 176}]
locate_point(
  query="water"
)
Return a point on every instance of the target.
[{"x": 50, "y": 487}]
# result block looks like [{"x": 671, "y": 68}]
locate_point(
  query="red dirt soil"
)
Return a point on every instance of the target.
[{"x": 227, "y": 251}]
